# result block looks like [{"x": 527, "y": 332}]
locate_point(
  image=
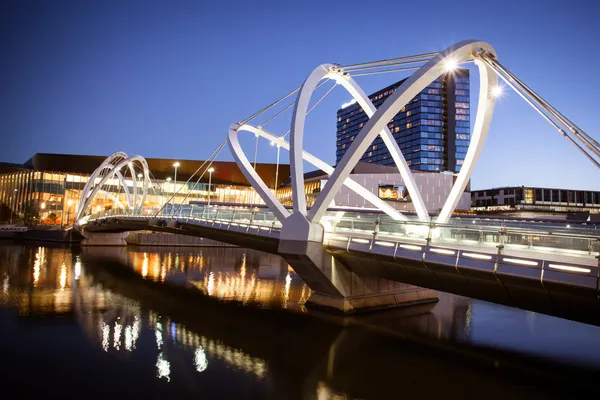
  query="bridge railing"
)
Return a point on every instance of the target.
[
  {"x": 532, "y": 237},
  {"x": 539, "y": 237}
]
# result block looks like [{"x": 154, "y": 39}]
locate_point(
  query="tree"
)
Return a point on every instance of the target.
[
  {"x": 31, "y": 214},
  {"x": 52, "y": 217}
]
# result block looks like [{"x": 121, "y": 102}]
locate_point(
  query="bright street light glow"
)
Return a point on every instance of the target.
[
  {"x": 211, "y": 170},
  {"x": 169, "y": 179},
  {"x": 497, "y": 91},
  {"x": 43, "y": 205},
  {"x": 450, "y": 65},
  {"x": 176, "y": 165},
  {"x": 272, "y": 143},
  {"x": 70, "y": 203},
  {"x": 139, "y": 175}
]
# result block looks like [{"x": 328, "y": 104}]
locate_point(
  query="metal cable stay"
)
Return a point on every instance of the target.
[
  {"x": 403, "y": 64},
  {"x": 211, "y": 158},
  {"x": 547, "y": 111}
]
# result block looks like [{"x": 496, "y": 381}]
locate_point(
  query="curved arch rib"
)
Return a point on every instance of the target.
[
  {"x": 329, "y": 71},
  {"x": 88, "y": 195},
  {"x": 460, "y": 52},
  {"x": 322, "y": 165}
]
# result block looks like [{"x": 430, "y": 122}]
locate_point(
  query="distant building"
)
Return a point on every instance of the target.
[
  {"x": 385, "y": 182},
  {"x": 50, "y": 185},
  {"x": 536, "y": 200},
  {"x": 432, "y": 131}
]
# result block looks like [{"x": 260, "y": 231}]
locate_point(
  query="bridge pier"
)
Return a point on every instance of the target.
[
  {"x": 103, "y": 239},
  {"x": 334, "y": 286}
]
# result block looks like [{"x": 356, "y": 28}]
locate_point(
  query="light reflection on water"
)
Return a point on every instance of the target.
[
  {"x": 225, "y": 273},
  {"x": 39, "y": 281}
]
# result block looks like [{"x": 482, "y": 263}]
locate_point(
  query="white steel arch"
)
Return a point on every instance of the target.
[
  {"x": 329, "y": 71},
  {"x": 458, "y": 53},
  {"x": 109, "y": 169},
  {"x": 377, "y": 124},
  {"x": 268, "y": 196}
]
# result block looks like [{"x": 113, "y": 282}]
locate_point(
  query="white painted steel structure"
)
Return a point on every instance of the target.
[
  {"x": 109, "y": 170},
  {"x": 376, "y": 125}
]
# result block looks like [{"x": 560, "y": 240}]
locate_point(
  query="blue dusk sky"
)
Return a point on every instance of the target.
[{"x": 166, "y": 78}]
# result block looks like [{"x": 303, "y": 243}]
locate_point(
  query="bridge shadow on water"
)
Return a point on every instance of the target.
[
  {"x": 310, "y": 354},
  {"x": 229, "y": 323}
]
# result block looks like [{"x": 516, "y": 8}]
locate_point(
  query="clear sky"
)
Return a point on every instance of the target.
[{"x": 166, "y": 78}]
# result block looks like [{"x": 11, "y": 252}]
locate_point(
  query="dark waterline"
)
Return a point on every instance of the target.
[{"x": 65, "y": 325}]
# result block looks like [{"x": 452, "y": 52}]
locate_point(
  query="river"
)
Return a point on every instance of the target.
[{"x": 218, "y": 322}]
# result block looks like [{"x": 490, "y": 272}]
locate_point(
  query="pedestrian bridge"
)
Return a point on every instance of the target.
[
  {"x": 360, "y": 259},
  {"x": 540, "y": 266}
]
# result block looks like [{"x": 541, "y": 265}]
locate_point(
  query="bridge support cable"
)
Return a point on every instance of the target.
[
  {"x": 542, "y": 108},
  {"x": 374, "y": 64},
  {"x": 386, "y": 71},
  {"x": 214, "y": 153},
  {"x": 588, "y": 141},
  {"x": 314, "y": 105}
]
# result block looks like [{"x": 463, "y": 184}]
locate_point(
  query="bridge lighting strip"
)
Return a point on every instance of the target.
[
  {"x": 569, "y": 268},
  {"x": 411, "y": 247},
  {"x": 443, "y": 251},
  {"x": 520, "y": 262},
  {"x": 363, "y": 241},
  {"x": 340, "y": 238},
  {"x": 477, "y": 256},
  {"x": 385, "y": 244},
  {"x": 264, "y": 228},
  {"x": 254, "y": 226}
]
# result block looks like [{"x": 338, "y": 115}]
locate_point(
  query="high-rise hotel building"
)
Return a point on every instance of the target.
[{"x": 432, "y": 131}]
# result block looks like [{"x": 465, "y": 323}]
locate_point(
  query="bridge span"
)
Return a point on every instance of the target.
[
  {"x": 363, "y": 260},
  {"x": 517, "y": 264}
]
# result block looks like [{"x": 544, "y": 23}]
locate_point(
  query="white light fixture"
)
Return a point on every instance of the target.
[
  {"x": 520, "y": 262},
  {"x": 411, "y": 247},
  {"x": 362, "y": 241},
  {"x": 443, "y": 251},
  {"x": 385, "y": 244},
  {"x": 477, "y": 256},
  {"x": 569, "y": 268},
  {"x": 176, "y": 164},
  {"x": 450, "y": 65},
  {"x": 497, "y": 91}
]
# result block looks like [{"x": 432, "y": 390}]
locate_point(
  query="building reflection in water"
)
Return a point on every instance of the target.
[
  {"x": 226, "y": 273},
  {"x": 49, "y": 286}
]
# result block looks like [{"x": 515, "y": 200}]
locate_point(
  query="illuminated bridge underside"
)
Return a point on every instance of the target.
[{"x": 551, "y": 283}]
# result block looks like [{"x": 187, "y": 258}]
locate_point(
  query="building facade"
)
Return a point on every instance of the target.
[
  {"x": 535, "y": 199},
  {"x": 432, "y": 131},
  {"x": 386, "y": 183},
  {"x": 46, "y": 189}
]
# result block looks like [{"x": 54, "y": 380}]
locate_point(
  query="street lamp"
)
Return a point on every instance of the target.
[
  {"x": 176, "y": 165},
  {"x": 210, "y": 171},
  {"x": 13, "y": 205}
]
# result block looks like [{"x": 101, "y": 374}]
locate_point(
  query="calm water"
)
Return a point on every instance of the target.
[{"x": 67, "y": 325}]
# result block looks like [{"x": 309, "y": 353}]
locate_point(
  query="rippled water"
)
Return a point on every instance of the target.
[{"x": 66, "y": 324}]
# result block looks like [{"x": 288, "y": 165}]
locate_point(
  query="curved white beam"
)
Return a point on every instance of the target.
[
  {"x": 329, "y": 71},
  {"x": 88, "y": 195},
  {"x": 460, "y": 52},
  {"x": 322, "y": 165},
  {"x": 485, "y": 108},
  {"x": 250, "y": 173}
]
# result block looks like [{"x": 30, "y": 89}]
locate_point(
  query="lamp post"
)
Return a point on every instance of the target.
[
  {"x": 14, "y": 204},
  {"x": 210, "y": 172},
  {"x": 140, "y": 175},
  {"x": 176, "y": 165},
  {"x": 168, "y": 180}
]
